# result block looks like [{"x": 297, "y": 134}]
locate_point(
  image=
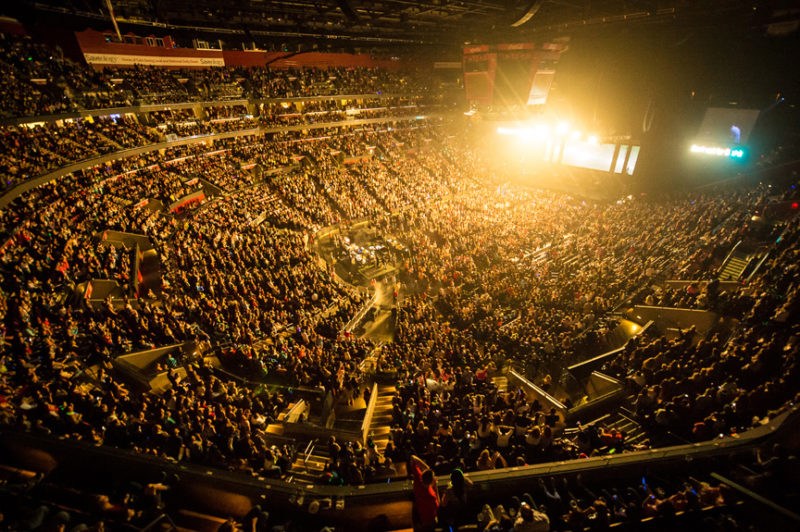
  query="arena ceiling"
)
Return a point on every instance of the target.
[{"x": 430, "y": 22}]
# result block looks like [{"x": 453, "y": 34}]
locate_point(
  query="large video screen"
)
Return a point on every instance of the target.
[
  {"x": 540, "y": 87},
  {"x": 726, "y": 127},
  {"x": 632, "y": 158},
  {"x": 588, "y": 155}
]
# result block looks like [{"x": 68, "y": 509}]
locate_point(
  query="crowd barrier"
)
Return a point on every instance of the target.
[{"x": 228, "y": 493}]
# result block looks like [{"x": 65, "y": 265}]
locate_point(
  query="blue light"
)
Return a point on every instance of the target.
[{"x": 737, "y": 153}]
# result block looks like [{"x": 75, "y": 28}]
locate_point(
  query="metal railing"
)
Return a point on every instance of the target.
[
  {"x": 353, "y": 323},
  {"x": 367, "y": 423},
  {"x": 158, "y": 520},
  {"x": 727, "y": 257},
  {"x": 312, "y": 444}
]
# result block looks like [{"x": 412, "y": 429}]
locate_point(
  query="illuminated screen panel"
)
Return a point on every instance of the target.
[
  {"x": 631, "y": 166},
  {"x": 588, "y": 155},
  {"x": 540, "y": 87},
  {"x": 623, "y": 150},
  {"x": 726, "y": 127}
]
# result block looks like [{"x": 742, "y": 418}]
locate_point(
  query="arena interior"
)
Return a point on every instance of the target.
[{"x": 439, "y": 265}]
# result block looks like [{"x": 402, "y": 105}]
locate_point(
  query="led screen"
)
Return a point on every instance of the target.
[
  {"x": 623, "y": 150},
  {"x": 726, "y": 127},
  {"x": 540, "y": 87},
  {"x": 631, "y": 166}
]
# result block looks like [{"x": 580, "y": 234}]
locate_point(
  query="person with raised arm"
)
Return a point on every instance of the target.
[{"x": 426, "y": 495}]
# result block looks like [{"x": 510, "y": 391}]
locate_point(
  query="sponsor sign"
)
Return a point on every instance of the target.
[{"x": 154, "y": 60}]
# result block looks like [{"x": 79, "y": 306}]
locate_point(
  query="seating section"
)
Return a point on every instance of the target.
[
  {"x": 33, "y": 149},
  {"x": 38, "y": 80},
  {"x": 257, "y": 236}
]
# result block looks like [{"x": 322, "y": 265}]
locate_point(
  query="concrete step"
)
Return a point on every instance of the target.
[
  {"x": 501, "y": 383},
  {"x": 300, "y": 477},
  {"x": 275, "y": 428}
]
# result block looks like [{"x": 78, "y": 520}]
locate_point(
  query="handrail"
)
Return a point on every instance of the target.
[
  {"x": 760, "y": 498},
  {"x": 78, "y": 456},
  {"x": 309, "y": 451},
  {"x": 296, "y": 410},
  {"x": 596, "y": 358},
  {"x": 768, "y": 252},
  {"x": 148, "y": 107},
  {"x": 353, "y": 323},
  {"x": 549, "y": 398},
  {"x": 757, "y": 266},
  {"x": 728, "y": 256},
  {"x": 25, "y": 442},
  {"x": 367, "y": 423},
  {"x": 157, "y": 520}
]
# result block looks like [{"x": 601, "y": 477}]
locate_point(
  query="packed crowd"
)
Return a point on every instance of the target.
[
  {"x": 236, "y": 272},
  {"x": 532, "y": 280},
  {"x": 34, "y": 149},
  {"x": 702, "y": 387},
  {"x": 495, "y": 273},
  {"x": 564, "y": 505},
  {"x": 668, "y": 498},
  {"x": 38, "y": 80}
]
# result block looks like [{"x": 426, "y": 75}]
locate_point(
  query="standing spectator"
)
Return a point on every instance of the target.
[
  {"x": 455, "y": 499},
  {"x": 426, "y": 495}
]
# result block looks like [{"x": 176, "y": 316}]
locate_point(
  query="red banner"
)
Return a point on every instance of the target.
[
  {"x": 517, "y": 46},
  {"x": 476, "y": 49}
]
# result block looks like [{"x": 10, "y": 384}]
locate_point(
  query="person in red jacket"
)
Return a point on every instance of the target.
[{"x": 426, "y": 495}]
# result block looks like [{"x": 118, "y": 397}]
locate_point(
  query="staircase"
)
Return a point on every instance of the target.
[
  {"x": 382, "y": 417},
  {"x": 733, "y": 268},
  {"x": 309, "y": 464},
  {"x": 501, "y": 382},
  {"x": 117, "y": 146},
  {"x": 623, "y": 421}
]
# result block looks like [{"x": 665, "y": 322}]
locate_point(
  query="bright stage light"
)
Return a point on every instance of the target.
[
  {"x": 592, "y": 139},
  {"x": 576, "y": 135},
  {"x": 562, "y": 128},
  {"x": 527, "y": 134},
  {"x": 541, "y": 131}
]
